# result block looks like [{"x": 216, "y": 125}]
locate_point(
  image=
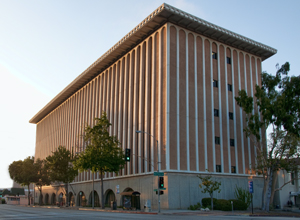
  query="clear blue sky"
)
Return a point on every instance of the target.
[{"x": 45, "y": 44}]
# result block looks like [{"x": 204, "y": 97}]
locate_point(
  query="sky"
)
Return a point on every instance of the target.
[{"x": 45, "y": 45}]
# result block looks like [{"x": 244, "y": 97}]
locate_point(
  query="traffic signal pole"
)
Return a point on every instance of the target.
[{"x": 158, "y": 186}]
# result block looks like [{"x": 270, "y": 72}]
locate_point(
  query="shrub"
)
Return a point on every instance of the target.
[
  {"x": 239, "y": 205},
  {"x": 242, "y": 195},
  {"x": 223, "y": 204},
  {"x": 207, "y": 202},
  {"x": 2, "y": 201},
  {"x": 195, "y": 207}
]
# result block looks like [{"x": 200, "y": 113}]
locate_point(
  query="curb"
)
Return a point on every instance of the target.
[
  {"x": 45, "y": 207},
  {"x": 118, "y": 211}
]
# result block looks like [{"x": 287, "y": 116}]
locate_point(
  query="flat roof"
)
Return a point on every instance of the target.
[{"x": 164, "y": 13}]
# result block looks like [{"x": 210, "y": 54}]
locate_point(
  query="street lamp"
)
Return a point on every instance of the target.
[{"x": 157, "y": 165}]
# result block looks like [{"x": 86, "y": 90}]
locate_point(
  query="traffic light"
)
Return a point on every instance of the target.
[
  {"x": 161, "y": 182},
  {"x": 127, "y": 154},
  {"x": 160, "y": 192}
]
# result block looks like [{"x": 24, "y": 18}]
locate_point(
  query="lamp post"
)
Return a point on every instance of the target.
[{"x": 157, "y": 165}]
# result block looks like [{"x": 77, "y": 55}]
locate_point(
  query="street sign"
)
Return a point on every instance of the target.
[
  {"x": 250, "y": 184},
  {"x": 158, "y": 174},
  {"x": 160, "y": 189}
]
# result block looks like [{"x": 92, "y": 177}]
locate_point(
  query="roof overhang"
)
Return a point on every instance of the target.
[{"x": 164, "y": 13}]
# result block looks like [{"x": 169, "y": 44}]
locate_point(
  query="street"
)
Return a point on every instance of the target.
[{"x": 21, "y": 212}]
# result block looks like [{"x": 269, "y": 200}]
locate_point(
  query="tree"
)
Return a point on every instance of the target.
[
  {"x": 276, "y": 105},
  {"x": 209, "y": 186},
  {"x": 60, "y": 167},
  {"x": 43, "y": 176},
  {"x": 102, "y": 153},
  {"x": 283, "y": 149},
  {"x": 23, "y": 172}
]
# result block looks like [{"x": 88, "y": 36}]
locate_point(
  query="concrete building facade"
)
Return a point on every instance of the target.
[{"x": 175, "y": 77}]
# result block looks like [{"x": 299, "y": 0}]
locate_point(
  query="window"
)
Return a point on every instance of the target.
[
  {"x": 230, "y": 115},
  {"x": 233, "y": 170},
  {"x": 228, "y": 60},
  {"x": 232, "y": 142},
  {"x": 229, "y": 87},
  {"x": 215, "y": 83},
  {"x": 292, "y": 178},
  {"x": 216, "y": 112},
  {"x": 214, "y": 55},
  {"x": 218, "y": 168},
  {"x": 217, "y": 140}
]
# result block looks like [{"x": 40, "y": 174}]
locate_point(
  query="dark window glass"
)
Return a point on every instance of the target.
[
  {"x": 292, "y": 178},
  {"x": 233, "y": 170},
  {"x": 216, "y": 112},
  {"x": 232, "y": 142},
  {"x": 228, "y": 59},
  {"x": 214, "y": 55},
  {"x": 215, "y": 83},
  {"x": 231, "y": 115},
  {"x": 218, "y": 168},
  {"x": 229, "y": 87},
  {"x": 217, "y": 140}
]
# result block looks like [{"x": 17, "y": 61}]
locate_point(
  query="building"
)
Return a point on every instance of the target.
[
  {"x": 175, "y": 77},
  {"x": 14, "y": 196}
]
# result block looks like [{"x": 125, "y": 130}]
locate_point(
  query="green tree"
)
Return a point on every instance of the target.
[
  {"x": 102, "y": 153},
  {"x": 276, "y": 104},
  {"x": 209, "y": 186},
  {"x": 43, "y": 176},
  {"x": 23, "y": 172},
  {"x": 60, "y": 167}
]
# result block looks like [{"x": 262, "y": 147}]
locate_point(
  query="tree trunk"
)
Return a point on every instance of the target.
[
  {"x": 263, "y": 198},
  {"x": 67, "y": 201},
  {"x": 269, "y": 190},
  {"x": 275, "y": 176},
  {"x": 264, "y": 193},
  {"x": 28, "y": 195},
  {"x": 211, "y": 201},
  {"x": 93, "y": 195},
  {"x": 40, "y": 197},
  {"x": 102, "y": 194}
]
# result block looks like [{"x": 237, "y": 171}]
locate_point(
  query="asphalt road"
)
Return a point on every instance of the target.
[{"x": 21, "y": 212}]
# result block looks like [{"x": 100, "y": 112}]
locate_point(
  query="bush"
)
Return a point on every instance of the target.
[
  {"x": 223, "y": 204},
  {"x": 2, "y": 201},
  {"x": 207, "y": 202},
  {"x": 239, "y": 205},
  {"x": 242, "y": 195},
  {"x": 195, "y": 207}
]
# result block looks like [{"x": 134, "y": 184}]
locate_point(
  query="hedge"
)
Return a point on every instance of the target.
[
  {"x": 223, "y": 204},
  {"x": 207, "y": 202},
  {"x": 238, "y": 204}
]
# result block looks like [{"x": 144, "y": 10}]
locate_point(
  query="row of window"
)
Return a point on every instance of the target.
[
  {"x": 215, "y": 56},
  {"x": 219, "y": 169},
  {"x": 215, "y": 84},
  {"x": 216, "y": 114},
  {"x": 217, "y": 141}
]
